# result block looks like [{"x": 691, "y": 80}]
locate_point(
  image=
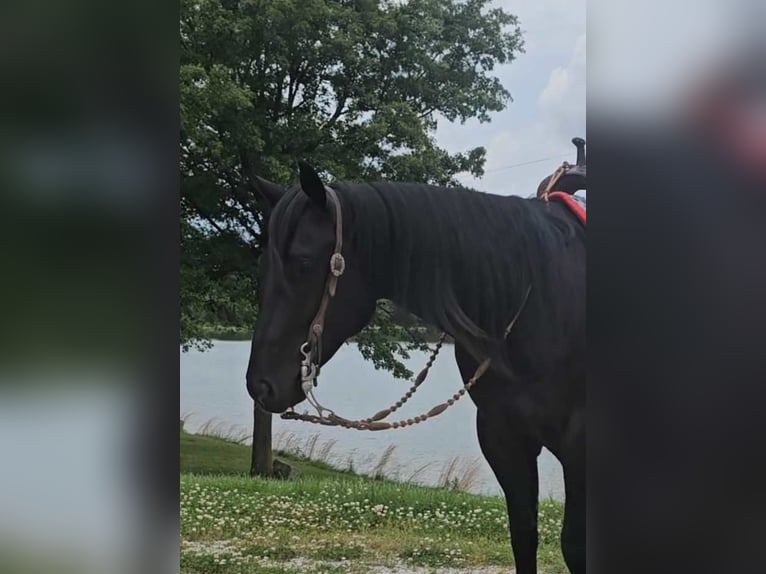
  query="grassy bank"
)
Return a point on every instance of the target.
[
  {"x": 210, "y": 455},
  {"x": 335, "y": 521}
]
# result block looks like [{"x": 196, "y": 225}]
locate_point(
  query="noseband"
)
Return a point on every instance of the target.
[{"x": 311, "y": 351}]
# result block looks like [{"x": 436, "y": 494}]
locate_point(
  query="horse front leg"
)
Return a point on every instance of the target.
[{"x": 513, "y": 458}]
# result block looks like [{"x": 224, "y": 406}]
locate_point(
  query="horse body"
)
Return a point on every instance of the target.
[
  {"x": 540, "y": 404},
  {"x": 462, "y": 261}
]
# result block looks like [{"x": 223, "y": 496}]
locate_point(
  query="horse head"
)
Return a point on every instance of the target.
[{"x": 312, "y": 294}]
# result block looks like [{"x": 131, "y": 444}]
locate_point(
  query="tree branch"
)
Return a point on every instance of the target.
[
  {"x": 339, "y": 111},
  {"x": 204, "y": 214},
  {"x": 207, "y": 217},
  {"x": 427, "y": 112},
  {"x": 296, "y": 75}
]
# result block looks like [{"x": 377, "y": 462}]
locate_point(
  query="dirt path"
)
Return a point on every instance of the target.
[
  {"x": 396, "y": 568},
  {"x": 223, "y": 548},
  {"x": 408, "y": 569}
]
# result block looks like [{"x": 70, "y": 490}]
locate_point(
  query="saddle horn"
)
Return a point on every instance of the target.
[{"x": 580, "y": 145}]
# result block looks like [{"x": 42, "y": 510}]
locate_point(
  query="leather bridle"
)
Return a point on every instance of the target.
[{"x": 312, "y": 348}]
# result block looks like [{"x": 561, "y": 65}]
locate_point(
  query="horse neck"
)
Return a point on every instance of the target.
[{"x": 407, "y": 275}]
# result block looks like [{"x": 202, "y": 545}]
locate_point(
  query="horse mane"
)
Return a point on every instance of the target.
[{"x": 461, "y": 260}]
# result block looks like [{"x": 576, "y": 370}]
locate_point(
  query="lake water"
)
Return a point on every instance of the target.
[{"x": 213, "y": 387}]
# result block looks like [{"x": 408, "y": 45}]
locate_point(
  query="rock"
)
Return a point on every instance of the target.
[{"x": 284, "y": 470}]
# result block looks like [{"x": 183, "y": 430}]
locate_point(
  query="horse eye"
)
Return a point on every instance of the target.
[{"x": 305, "y": 263}]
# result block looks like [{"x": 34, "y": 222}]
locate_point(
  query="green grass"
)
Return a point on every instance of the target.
[
  {"x": 211, "y": 455},
  {"x": 335, "y": 521},
  {"x": 205, "y": 455}
]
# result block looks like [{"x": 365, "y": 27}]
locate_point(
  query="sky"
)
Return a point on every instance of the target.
[{"x": 547, "y": 84}]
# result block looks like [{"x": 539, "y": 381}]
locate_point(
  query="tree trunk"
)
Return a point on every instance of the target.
[{"x": 262, "y": 462}]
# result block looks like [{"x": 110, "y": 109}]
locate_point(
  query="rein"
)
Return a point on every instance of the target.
[{"x": 311, "y": 351}]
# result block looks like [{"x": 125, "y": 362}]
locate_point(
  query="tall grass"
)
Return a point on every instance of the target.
[
  {"x": 185, "y": 417},
  {"x": 413, "y": 477},
  {"x": 456, "y": 474},
  {"x": 324, "y": 452},
  {"x": 218, "y": 429},
  {"x": 378, "y": 471},
  {"x": 312, "y": 449},
  {"x": 459, "y": 475},
  {"x": 311, "y": 445},
  {"x": 285, "y": 441}
]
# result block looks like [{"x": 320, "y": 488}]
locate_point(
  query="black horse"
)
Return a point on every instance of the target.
[{"x": 465, "y": 262}]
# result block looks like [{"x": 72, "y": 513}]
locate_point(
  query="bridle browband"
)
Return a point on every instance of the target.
[{"x": 311, "y": 351}]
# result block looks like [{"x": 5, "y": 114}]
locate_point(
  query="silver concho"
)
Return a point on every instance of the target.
[{"x": 337, "y": 264}]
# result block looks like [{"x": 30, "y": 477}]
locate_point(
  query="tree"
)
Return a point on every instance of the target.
[{"x": 353, "y": 86}]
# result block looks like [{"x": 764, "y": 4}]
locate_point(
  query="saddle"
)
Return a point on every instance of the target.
[{"x": 567, "y": 178}]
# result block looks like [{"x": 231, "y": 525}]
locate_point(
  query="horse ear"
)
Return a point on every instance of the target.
[
  {"x": 311, "y": 184},
  {"x": 269, "y": 191}
]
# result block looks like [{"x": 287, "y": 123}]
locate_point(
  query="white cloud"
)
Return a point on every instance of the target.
[
  {"x": 559, "y": 115},
  {"x": 548, "y": 87},
  {"x": 562, "y": 101}
]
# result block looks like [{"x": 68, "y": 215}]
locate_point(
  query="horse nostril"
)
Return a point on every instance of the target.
[
  {"x": 268, "y": 388},
  {"x": 259, "y": 389}
]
